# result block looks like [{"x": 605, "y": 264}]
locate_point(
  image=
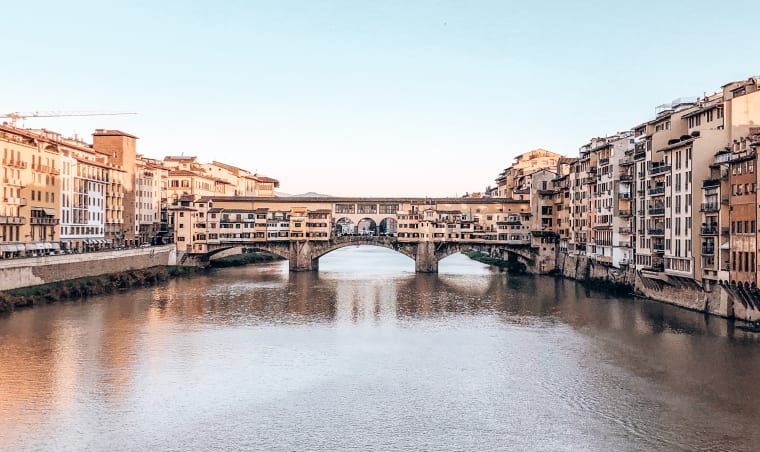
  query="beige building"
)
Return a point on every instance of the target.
[
  {"x": 18, "y": 148},
  {"x": 31, "y": 193},
  {"x": 150, "y": 185},
  {"x": 514, "y": 181}
]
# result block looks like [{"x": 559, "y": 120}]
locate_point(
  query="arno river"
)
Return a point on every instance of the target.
[{"x": 366, "y": 355}]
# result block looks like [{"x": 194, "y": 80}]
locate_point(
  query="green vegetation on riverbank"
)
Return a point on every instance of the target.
[
  {"x": 513, "y": 267},
  {"x": 244, "y": 259}
]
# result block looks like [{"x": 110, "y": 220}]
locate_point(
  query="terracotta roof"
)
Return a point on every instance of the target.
[
  {"x": 179, "y": 157},
  {"x": 226, "y": 166},
  {"x": 107, "y": 132},
  {"x": 182, "y": 173},
  {"x": 267, "y": 179}
]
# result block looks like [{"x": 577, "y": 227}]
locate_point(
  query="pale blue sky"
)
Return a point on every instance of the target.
[{"x": 368, "y": 97}]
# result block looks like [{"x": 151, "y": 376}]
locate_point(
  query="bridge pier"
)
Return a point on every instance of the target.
[
  {"x": 425, "y": 260},
  {"x": 301, "y": 257}
]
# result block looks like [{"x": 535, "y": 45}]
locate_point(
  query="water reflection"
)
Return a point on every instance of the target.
[{"x": 366, "y": 354}]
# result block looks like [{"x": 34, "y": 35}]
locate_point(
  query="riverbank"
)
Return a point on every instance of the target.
[
  {"x": 511, "y": 267},
  {"x": 238, "y": 260},
  {"x": 727, "y": 301},
  {"x": 87, "y": 286},
  {"x": 83, "y": 287},
  {"x": 596, "y": 283}
]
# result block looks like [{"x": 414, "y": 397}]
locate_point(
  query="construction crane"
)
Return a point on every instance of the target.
[{"x": 15, "y": 116}]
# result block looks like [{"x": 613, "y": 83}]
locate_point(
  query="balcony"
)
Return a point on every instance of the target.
[
  {"x": 625, "y": 177},
  {"x": 658, "y": 248},
  {"x": 12, "y": 220},
  {"x": 709, "y": 230},
  {"x": 710, "y": 207},
  {"x": 589, "y": 180},
  {"x": 626, "y": 162},
  {"x": 656, "y": 231},
  {"x": 604, "y": 161},
  {"x": 660, "y": 169},
  {"x": 624, "y": 212},
  {"x": 604, "y": 259},
  {"x": 708, "y": 250},
  {"x": 657, "y": 211},
  {"x": 724, "y": 231},
  {"x": 43, "y": 221},
  {"x": 625, "y": 244},
  {"x": 640, "y": 155},
  {"x": 624, "y": 196},
  {"x": 14, "y": 163},
  {"x": 12, "y": 182},
  {"x": 625, "y": 230},
  {"x": 48, "y": 169},
  {"x": 710, "y": 183},
  {"x": 656, "y": 191}
]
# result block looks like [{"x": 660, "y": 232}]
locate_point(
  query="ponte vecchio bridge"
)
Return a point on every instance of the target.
[{"x": 301, "y": 229}]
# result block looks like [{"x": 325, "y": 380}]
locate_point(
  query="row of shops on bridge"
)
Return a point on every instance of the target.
[{"x": 207, "y": 223}]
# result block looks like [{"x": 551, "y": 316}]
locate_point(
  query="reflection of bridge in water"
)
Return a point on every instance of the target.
[{"x": 304, "y": 229}]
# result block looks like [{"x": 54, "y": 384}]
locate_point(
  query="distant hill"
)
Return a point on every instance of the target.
[{"x": 310, "y": 194}]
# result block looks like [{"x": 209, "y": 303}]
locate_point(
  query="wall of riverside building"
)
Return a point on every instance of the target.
[{"x": 15, "y": 273}]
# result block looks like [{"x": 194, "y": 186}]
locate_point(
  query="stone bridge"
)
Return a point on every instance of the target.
[
  {"x": 301, "y": 229},
  {"x": 304, "y": 255}
]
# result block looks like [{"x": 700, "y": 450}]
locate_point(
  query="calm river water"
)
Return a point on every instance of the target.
[{"x": 366, "y": 355}]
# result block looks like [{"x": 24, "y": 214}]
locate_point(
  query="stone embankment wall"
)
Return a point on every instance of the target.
[
  {"x": 724, "y": 301},
  {"x": 582, "y": 268},
  {"x": 16, "y": 273}
]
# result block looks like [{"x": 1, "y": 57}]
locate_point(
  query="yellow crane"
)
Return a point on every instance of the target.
[{"x": 15, "y": 116}]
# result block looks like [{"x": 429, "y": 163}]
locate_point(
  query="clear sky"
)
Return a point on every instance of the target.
[{"x": 367, "y": 97}]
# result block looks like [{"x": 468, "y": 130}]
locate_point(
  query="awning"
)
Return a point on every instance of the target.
[
  {"x": 47, "y": 246},
  {"x": 725, "y": 246},
  {"x": 34, "y": 246},
  {"x": 49, "y": 212},
  {"x": 8, "y": 248},
  {"x": 56, "y": 246},
  {"x": 20, "y": 247}
]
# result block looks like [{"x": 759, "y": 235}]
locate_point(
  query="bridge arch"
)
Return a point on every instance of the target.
[
  {"x": 366, "y": 226},
  {"x": 319, "y": 249},
  {"x": 344, "y": 226},
  {"x": 388, "y": 226}
]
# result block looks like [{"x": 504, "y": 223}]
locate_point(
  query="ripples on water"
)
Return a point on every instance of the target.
[{"x": 365, "y": 354}]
